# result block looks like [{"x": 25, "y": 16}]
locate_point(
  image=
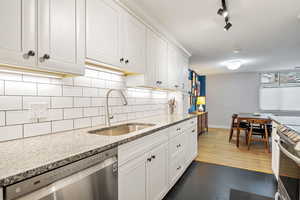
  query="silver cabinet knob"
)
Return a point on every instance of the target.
[
  {"x": 45, "y": 57},
  {"x": 29, "y": 54}
]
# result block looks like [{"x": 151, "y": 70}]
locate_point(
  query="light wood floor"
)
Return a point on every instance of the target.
[{"x": 215, "y": 148}]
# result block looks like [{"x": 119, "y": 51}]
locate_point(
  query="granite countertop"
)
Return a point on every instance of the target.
[
  {"x": 287, "y": 120},
  {"x": 25, "y": 158}
]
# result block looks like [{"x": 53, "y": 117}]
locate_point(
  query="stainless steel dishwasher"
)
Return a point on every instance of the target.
[{"x": 92, "y": 178}]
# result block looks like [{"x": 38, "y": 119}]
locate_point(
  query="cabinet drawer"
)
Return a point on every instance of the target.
[
  {"x": 177, "y": 146},
  {"x": 176, "y": 169},
  {"x": 191, "y": 123},
  {"x": 140, "y": 146},
  {"x": 176, "y": 130}
]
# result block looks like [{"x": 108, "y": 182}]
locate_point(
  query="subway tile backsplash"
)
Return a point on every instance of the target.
[{"x": 73, "y": 103}]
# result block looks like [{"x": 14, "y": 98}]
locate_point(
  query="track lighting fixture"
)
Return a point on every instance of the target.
[
  {"x": 224, "y": 12},
  {"x": 227, "y": 26}
]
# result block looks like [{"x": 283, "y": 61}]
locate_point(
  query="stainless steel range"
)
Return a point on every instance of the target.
[{"x": 289, "y": 164}]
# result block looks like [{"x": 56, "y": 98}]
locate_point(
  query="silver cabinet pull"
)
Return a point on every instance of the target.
[
  {"x": 45, "y": 57},
  {"x": 29, "y": 54}
]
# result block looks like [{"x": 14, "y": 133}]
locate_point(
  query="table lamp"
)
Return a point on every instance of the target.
[{"x": 200, "y": 102}]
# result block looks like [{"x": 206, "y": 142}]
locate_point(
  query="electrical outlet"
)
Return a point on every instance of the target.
[{"x": 38, "y": 110}]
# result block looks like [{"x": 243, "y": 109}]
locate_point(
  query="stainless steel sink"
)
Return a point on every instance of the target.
[{"x": 121, "y": 129}]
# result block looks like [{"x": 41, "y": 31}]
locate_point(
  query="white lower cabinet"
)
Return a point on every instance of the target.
[
  {"x": 275, "y": 151},
  {"x": 132, "y": 180},
  {"x": 150, "y": 166},
  {"x": 157, "y": 173},
  {"x": 1, "y": 194},
  {"x": 145, "y": 177}
]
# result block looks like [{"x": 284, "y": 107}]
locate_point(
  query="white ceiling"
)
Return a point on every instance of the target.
[{"x": 266, "y": 32}]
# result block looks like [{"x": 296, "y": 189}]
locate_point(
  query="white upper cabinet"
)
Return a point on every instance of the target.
[
  {"x": 45, "y": 35},
  {"x": 103, "y": 23},
  {"x": 156, "y": 72},
  {"x": 184, "y": 73},
  {"x": 61, "y": 35},
  {"x": 173, "y": 67},
  {"x": 133, "y": 44},
  {"x": 162, "y": 63},
  {"x": 17, "y": 35}
]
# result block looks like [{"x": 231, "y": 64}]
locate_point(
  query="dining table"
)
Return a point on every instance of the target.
[{"x": 249, "y": 117}]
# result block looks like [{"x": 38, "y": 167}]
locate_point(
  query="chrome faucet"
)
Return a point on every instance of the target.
[{"x": 108, "y": 116}]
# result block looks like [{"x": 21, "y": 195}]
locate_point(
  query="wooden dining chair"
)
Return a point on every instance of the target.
[
  {"x": 234, "y": 124},
  {"x": 264, "y": 131}
]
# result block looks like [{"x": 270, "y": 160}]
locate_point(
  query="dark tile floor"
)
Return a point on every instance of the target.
[{"x": 203, "y": 181}]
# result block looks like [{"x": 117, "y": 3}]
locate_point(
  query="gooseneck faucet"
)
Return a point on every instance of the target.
[{"x": 108, "y": 116}]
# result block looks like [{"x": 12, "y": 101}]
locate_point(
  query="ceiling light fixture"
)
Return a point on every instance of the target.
[
  {"x": 224, "y": 12},
  {"x": 233, "y": 64}
]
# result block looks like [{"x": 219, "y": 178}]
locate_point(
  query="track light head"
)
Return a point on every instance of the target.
[
  {"x": 223, "y": 12},
  {"x": 227, "y": 26},
  {"x": 220, "y": 12}
]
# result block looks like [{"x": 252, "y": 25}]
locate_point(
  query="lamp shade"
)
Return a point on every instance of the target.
[{"x": 201, "y": 100}]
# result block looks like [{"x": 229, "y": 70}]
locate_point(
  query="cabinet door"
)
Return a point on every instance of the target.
[
  {"x": 132, "y": 180},
  {"x": 103, "y": 20},
  {"x": 194, "y": 143},
  {"x": 173, "y": 69},
  {"x": 275, "y": 150},
  {"x": 162, "y": 65},
  {"x": 134, "y": 44},
  {"x": 151, "y": 66},
  {"x": 185, "y": 74},
  {"x": 61, "y": 33},
  {"x": 17, "y": 35},
  {"x": 157, "y": 173}
]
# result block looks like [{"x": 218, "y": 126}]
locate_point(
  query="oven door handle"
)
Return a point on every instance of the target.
[
  {"x": 277, "y": 196},
  {"x": 288, "y": 154}
]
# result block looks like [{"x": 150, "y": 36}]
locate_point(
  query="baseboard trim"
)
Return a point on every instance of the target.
[{"x": 218, "y": 126}]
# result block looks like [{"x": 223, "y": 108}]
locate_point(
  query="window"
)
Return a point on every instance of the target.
[
  {"x": 269, "y": 79},
  {"x": 290, "y": 78}
]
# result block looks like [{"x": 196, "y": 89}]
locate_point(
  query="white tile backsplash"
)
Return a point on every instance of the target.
[
  {"x": 91, "y": 112},
  {"x": 82, "y": 123},
  {"x": 28, "y": 100},
  {"x": 17, "y": 117},
  {"x": 49, "y": 90},
  {"x": 61, "y": 102},
  {"x": 64, "y": 125},
  {"x": 2, "y": 118},
  {"x": 72, "y": 91},
  {"x": 10, "y": 102},
  {"x": 72, "y": 113},
  {"x": 11, "y": 132},
  {"x": 90, "y": 92},
  {"x": 20, "y": 88},
  {"x": 1, "y": 87},
  {"x": 74, "y": 102},
  {"x": 37, "y": 129},
  {"x": 82, "y": 102}
]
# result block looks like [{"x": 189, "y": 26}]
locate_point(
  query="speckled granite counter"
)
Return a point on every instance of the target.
[
  {"x": 286, "y": 120},
  {"x": 25, "y": 158}
]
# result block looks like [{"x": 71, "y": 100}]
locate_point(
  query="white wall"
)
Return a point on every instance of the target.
[{"x": 231, "y": 93}]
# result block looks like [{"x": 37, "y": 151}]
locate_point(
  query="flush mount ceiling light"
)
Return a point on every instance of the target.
[
  {"x": 233, "y": 64},
  {"x": 224, "y": 12}
]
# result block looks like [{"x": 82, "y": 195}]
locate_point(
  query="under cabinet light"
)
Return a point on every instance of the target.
[{"x": 31, "y": 72}]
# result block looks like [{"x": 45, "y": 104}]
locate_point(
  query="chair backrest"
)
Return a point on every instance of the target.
[
  {"x": 234, "y": 118},
  {"x": 259, "y": 121}
]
